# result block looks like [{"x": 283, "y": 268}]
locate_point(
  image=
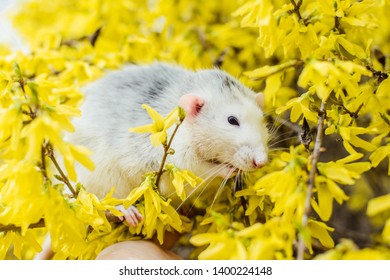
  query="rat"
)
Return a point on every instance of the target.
[{"x": 224, "y": 130}]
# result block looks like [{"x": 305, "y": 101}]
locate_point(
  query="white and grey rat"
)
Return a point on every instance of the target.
[{"x": 224, "y": 129}]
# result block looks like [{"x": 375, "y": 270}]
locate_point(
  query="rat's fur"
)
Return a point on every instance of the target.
[{"x": 113, "y": 104}]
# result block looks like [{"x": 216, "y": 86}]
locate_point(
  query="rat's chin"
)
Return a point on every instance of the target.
[
  {"x": 223, "y": 169},
  {"x": 228, "y": 171}
]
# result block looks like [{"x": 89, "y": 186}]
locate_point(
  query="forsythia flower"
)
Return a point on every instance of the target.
[
  {"x": 180, "y": 177},
  {"x": 161, "y": 216},
  {"x": 259, "y": 241},
  {"x": 159, "y": 127},
  {"x": 379, "y": 154}
]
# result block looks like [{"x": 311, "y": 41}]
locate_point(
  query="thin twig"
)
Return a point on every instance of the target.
[
  {"x": 297, "y": 6},
  {"x": 166, "y": 152},
  {"x": 91, "y": 38},
  {"x": 41, "y": 223},
  {"x": 381, "y": 76},
  {"x": 238, "y": 187},
  {"x": 292, "y": 126},
  {"x": 32, "y": 113},
  {"x": 43, "y": 163},
  {"x": 353, "y": 115},
  {"x": 314, "y": 160},
  {"x": 64, "y": 178},
  {"x": 5, "y": 228}
]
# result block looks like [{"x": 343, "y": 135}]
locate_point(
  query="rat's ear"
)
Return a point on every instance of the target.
[
  {"x": 191, "y": 104},
  {"x": 260, "y": 100}
]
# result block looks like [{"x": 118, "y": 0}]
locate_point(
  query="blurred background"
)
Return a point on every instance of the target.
[{"x": 7, "y": 33}]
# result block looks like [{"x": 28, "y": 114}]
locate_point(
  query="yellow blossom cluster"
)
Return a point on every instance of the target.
[{"x": 323, "y": 67}]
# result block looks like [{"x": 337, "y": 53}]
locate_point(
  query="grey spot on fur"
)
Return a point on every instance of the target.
[
  {"x": 228, "y": 83},
  {"x": 156, "y": 88}
]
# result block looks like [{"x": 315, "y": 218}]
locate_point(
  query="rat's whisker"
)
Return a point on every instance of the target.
[{"x": 203, "y": 186}]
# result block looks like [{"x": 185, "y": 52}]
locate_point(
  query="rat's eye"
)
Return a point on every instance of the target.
[{"x": 233, "y": 121}]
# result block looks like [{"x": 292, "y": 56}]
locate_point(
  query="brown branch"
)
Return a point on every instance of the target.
[
  {"x": 353, "y": 115},
  {"x": 32, "y": 113},
  {"x": 297, "y": 6},
  {"x": 379, "y": 75},
  {"x": 314, "y": 161},
  {"x": 39, "y": 224},
  {"x": 63, "y": 177},
  {"x": 167, "y": 151},
  {"x": 42, "y": 165},
  {"x": 238, "y": 186},
  {"x": 284, "y": 122},
  {"x": 91, "y": 38}
]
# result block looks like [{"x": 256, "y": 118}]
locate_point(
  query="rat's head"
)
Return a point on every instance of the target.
[{"x": 226, "y": 124}]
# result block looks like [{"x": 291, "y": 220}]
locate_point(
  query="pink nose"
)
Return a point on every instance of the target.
[{"x": 257, "y": 163}]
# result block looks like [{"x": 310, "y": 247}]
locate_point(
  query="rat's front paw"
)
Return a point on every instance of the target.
[{"x": 131, "y": 215}]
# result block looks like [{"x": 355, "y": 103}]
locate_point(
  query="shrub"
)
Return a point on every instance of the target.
[{"x": 323, "y": 68}]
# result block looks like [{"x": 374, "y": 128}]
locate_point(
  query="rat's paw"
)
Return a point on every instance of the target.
[{"x": 131, "y": 215}]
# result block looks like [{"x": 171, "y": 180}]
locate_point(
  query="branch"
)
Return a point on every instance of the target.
[
  {"x": 284, "y": 122},
  {"x": 167, "y": 150},
  {"x": 42, "y": 165},
  {"x": 238, "y": 186},
  {"x": 62, "y": 177},
  {"x": 296, "y": 10},
  {"x": 381, "y": 76},
  {"x": 91, "y": 38},
  {"x": 315, "y": 158},
  {"x": 21, "y": 81},
  {"x": 41, "y": 223}
]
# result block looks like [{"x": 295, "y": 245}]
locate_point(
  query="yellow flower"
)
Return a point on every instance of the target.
[
  {"x": 320, "y": 231},
  {"x": 158, "y": 128},
  {"x": 348, "y": 250},
  {"x": 378, "y": 205},
  {"x": 344, "y": 171},
  {"x": 379, "y": 154},
  {"x": 180, "y": 177},
  {"x": 259, "y": 241},
  {"x": 161, "y": 216},
  {"x": 224, "y": 245}
]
